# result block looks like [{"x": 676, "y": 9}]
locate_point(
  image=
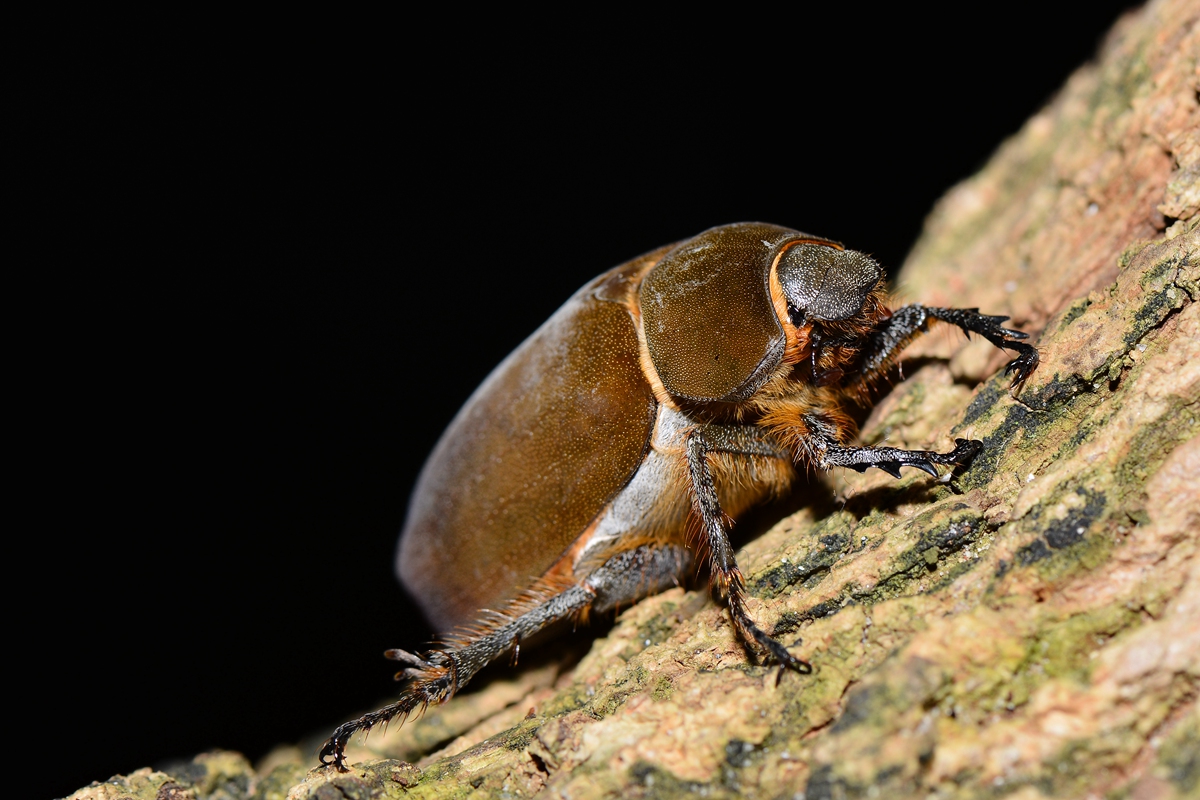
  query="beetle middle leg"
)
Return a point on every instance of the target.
[
  {"x": 820, "y": 438},
  {"x": 731, "y": 439}
]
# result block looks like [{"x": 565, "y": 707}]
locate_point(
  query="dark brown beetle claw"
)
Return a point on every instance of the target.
[
  {"x": 789, "y": 661},
  {"x": 1023, "y": 365},
  {"x": 800, "y": 666},
  {"x": 969, "y": 321},
  {"x": 333, "y": 752},
  {"x": 964, "y": 451},
  {"x": 775, "y": 651}
]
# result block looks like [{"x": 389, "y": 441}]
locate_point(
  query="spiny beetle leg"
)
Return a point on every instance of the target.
[
  {"x": 436, "y": 676},
  {"x": 885, "y": 343},
  {"x": 419, "y": 695},
  {"x": 725, "y": 572},
  {"x": 737, "y": 609},
  {"x": 969, "y": 320},
  {"x": 891, "y": 459}
]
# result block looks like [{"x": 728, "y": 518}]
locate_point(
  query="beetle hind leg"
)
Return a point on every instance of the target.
[
  {"x": 630, "y": 575},
  {"x": 435, "y": 684},
  {"x": 437, "y": 675}
]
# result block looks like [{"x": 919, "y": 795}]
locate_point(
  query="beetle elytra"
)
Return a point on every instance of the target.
[{"x": 681, "y": 387}]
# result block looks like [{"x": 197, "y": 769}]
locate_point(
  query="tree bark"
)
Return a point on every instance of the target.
[{"x": 1030, "y": 628}]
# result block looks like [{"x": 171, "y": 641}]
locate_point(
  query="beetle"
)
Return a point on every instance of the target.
[{"x": 666, "y": 396}]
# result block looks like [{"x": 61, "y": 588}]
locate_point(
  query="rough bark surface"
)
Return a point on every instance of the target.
[{"x": 1029, "y": 629}]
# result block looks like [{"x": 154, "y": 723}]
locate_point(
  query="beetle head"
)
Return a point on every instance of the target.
[{"x": 825, "y": 283}]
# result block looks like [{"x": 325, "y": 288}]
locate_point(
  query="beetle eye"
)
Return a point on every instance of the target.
[
  {"x": 824, "y": 283},
  {"x": 799, "y": 316}
]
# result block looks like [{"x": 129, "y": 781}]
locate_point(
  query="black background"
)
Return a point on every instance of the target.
[{"x": 272, "y": 268}]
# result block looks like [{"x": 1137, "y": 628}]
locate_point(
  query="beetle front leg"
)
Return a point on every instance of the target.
[
  {"x": 725, "y": 572},
  {"x": 435, "y": 676},
  {"x": 886, "y": 342}
]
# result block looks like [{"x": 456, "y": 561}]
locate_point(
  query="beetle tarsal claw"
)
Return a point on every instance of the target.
[
  {"x": 1023, "y": 365},
  {"x": 965, "y": 450},
  {"x": 333, "y": 752},
  {"x": 780, "y": 654},
  {"x": 410, "y": 674}
]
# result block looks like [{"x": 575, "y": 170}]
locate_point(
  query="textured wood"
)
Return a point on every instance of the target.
[{"x": 1030, "y": 630}]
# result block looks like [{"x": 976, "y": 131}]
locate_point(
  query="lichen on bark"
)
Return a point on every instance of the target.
[{"x": 1030, "y": 628}]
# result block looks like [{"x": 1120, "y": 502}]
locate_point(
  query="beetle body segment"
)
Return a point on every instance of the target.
[{"x": 665, "y": 397}]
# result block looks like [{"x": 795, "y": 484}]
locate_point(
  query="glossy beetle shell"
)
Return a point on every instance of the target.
[
  {"x": 537, "y": 451},
  {"x": 552, "y": 436}
]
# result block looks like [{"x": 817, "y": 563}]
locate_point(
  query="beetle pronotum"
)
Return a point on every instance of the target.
[{"x": 682, "y": 386}]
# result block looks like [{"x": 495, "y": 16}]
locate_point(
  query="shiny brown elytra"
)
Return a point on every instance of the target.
[{"x": 684, "y": 386}]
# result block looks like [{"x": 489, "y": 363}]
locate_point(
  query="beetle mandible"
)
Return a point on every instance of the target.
[{"x": 685, "y": 385}]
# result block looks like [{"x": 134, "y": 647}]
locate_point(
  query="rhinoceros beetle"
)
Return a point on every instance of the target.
[{"x": 679, "y": 388}]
